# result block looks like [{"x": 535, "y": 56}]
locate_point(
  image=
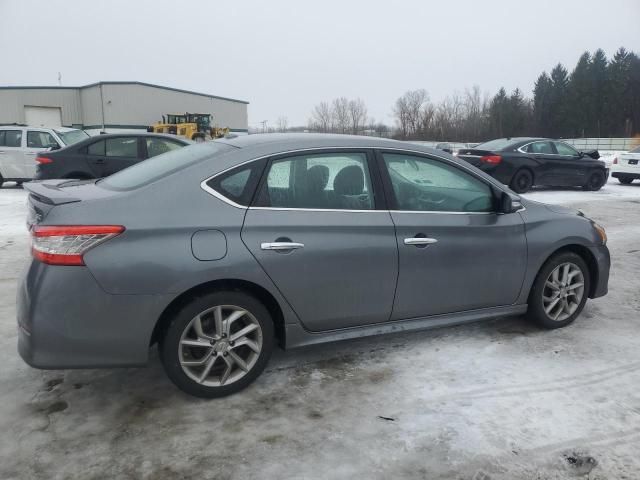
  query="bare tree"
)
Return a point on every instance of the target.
[
  {"x": 340, "y": 114},
  {"x": 283, "y": 123},
  {"x": 321, "y": 117},
  {"x": 357, "y": 114},
  {"x": 408, "y": 110}
]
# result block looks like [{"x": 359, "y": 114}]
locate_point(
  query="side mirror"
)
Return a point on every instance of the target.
[
  {"x": 509, "y": 203},
  {"x": 54, "y": 146}
]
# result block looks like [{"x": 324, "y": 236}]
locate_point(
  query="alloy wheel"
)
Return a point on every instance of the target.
[
  {"x": 220, "y": 345},
  {"x": 563, "y": 291}
]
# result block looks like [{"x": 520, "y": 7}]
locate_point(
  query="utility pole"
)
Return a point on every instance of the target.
[{"x": 264, "y": 125}]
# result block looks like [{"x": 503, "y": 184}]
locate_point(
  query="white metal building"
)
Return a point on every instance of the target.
[{"x": 114, "y": 106}]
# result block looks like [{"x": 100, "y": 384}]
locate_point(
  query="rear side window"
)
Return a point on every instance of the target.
[
  {"x": 239, "y": 183},
  {"x": 40, "y": 139},
  {"x": 155, "y": 168},
  {"x": 12, "y": 138},
  {"x": 334, "y": 181},
  {"x": 122, "y": 147},
  {"x": 544, "y": 148}
]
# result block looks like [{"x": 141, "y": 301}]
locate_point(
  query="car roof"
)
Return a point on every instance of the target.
[{"x": 274, "y": 142}]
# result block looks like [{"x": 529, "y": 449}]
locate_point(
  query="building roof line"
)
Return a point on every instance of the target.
[{"x": 95, "y": 84}]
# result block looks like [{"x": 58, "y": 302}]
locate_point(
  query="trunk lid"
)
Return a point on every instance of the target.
[
  {"x": 472, "y": 156},
  {"x": 48, "y": 194}
]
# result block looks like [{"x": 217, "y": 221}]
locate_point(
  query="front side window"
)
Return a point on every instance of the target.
[
  {"x": 122, "y": 147},
  {"x": 423, "y": 184},
  {"x": 544, "y": 148},
  {"x": 12, "y": 138},
  {"x": 564, "y": 149},
  {"x": 40, "y": 139},
  {"x": 335, "y": 181},
  {"x": 158, "y": 146}
]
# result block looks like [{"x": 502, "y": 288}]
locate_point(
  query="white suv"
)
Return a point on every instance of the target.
[
  {"x": 626, "y": 166},
  {"x": 19, "y": 146}
]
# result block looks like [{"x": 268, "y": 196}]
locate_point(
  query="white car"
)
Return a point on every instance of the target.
[
  {"x": 20, "y": 145},
  {"x": 626, "y": 166}
]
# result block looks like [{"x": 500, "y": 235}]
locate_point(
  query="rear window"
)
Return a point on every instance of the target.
[
  {"x": 70, "y": 137},
  {"x": 494, "y": 145},
  {"x": 150, "y": 170}
]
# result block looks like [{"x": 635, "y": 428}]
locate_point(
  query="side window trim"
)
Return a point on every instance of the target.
[
  {"x": 388, "y": 187},
  {"x": 379, "y": 200}
]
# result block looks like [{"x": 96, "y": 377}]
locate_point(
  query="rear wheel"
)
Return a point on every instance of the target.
[
  {"x": 595, "y": 181},
  {"x": 1, "y": 181},
  {"x": 522, "y": 181},
  {"x": 217, "y": 344},
  {"x": 625, "y": 180},
  {"x": 560, "y": 291}
]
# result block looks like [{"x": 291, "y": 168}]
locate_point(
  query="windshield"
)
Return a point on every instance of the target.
[
  {"x": 72, "y": 136},
  {"x": 635, "y": 150},
  {"x": 163, "y": 165},
  {"x": 494, "y": 145}
]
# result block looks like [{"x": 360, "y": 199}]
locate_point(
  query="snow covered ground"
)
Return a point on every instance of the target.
[{"x": 493, "y": 400}]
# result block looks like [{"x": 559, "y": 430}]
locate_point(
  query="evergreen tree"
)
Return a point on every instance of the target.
[
  {"x": 617, "y": 109},
  {"x": 579, "y": 106},
  {"x": 560, "y": 121},
  {"x": 498, "y": 113},
  {"x": 542, "y": 105},
  {"x": 596, "y": 97}
]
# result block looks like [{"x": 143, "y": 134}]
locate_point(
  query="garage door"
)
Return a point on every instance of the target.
[{"x": 43, "y": 116}]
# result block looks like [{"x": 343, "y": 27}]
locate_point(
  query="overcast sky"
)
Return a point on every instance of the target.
[{"x": 286, "y": 56}]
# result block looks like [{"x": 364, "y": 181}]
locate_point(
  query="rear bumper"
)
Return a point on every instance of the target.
[
  {"x": 626, "y": 172},
  {"x": 65, "y": 320},
  {"x": 603, "y": 265}
]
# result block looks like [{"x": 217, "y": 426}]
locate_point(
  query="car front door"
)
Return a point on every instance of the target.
[
  {"x": 37, "y": 141},
  {"x": 572, "y": 169},
  {"x": 318, "y": 230},
  {"x": 12, "y": 154},
  {"x": 456, "y": 253}
]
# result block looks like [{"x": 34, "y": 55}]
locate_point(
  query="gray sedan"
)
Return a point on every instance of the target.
[{"x": 217, "y": 251}]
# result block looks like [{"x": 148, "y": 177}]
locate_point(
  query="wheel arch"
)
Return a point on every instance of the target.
[
  {"x": 260, "y": 293},
  {"x": 584, "y": 253}
]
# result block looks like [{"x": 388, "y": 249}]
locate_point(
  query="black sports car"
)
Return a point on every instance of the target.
[
  {"x": 522, "y": 163},
  {"x": 103, "y": 155}
]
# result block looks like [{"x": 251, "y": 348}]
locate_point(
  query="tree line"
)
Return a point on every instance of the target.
[{"x": 598, "y": 98}]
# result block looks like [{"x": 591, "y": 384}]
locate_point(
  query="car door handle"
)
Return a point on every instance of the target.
[
  {"x": 419, "y": 241},
  {"x": 281, "y": 245},
  {"x": 99, "y": 160}
]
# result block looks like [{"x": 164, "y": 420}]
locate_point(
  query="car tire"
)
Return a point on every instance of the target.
[
  {"x": 556, "y": 301},
  {"x": 595, "y": 181},
  {"x": 1, "y": 181},
  {"x": 625, "y": 180},
  {"x": 522, "y": 181},
  {"x": 207, "y": 363}
]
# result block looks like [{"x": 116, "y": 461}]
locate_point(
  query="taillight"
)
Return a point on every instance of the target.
[
  {"x": 43, "y": 160},
  {"x": 615, "y": 160},
  {"x": 65, "y": 245},
  {"x": 491, "y": 159}
]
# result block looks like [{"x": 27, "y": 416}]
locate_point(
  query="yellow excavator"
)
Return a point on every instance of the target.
[{"x": 193, "y": 126}]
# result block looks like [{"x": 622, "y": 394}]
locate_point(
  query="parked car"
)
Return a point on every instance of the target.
[
  {"x": 523, "y": 163},
  {"x": 216, "y": 250},
  {"x": 103, "y": 155},
  {"x": 20, "y": 144},
  {"x": 445, "y": 147},
  {"x": 626, "y": 167}
]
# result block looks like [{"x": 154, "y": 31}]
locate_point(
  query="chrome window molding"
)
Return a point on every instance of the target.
[{"x": 230, "y": 202}]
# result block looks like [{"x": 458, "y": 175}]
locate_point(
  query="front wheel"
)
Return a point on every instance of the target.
[
  {"x": 522, "y": 181},
  {"x": 217, "y": 344},
  {"x": 595, "y": 181},
  {"x": 560, "y": 291}
]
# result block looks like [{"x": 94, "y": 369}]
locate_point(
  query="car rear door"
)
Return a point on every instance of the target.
[
  {"x": 549, "y": 165},
  {"x": 110, "y": 155},
  {"x": 456, "y": 253},
  {"x": 12, "y": 154},
  {"x": 38, "y": 140},
  {"x": 318, "y": 228}
]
